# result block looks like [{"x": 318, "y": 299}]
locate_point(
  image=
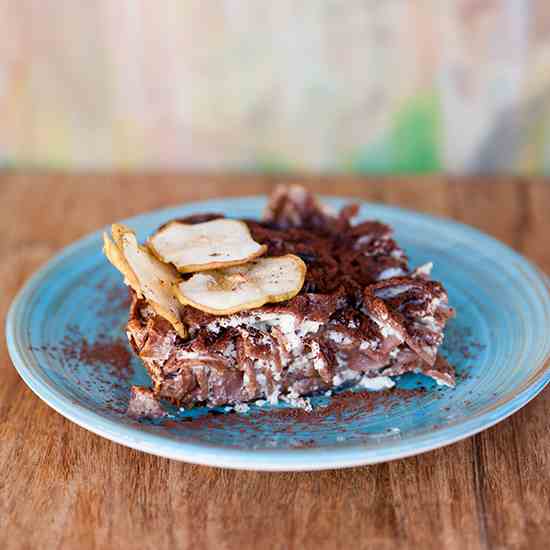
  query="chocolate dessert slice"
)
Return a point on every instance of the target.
[{"x": 361, "y": 317}]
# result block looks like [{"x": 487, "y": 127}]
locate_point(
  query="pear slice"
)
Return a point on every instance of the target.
[
  {"x": 147, "y": 276},
  {"x": 233, "y": 289},
  {"x": 205, "y": 246}
]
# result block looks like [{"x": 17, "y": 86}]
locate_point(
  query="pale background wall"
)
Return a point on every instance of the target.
[{"x": 369, "y": 86}]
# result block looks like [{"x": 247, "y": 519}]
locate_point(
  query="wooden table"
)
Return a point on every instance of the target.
[{"x": 63, "y": 487}]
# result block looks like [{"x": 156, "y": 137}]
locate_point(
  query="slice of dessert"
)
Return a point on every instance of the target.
[{"x": 330, "y": 303}]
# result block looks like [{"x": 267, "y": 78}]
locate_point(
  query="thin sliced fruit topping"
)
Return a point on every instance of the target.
[
  {"x": 204, "y": 246},
  {"x": 227, "y": 291},
  {"x": 145, "y": 274}
]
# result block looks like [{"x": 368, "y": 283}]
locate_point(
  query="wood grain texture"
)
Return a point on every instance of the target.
[{"x": 62, "y": 487}]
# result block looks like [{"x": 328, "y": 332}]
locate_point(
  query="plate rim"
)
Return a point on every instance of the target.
[{"x": 216, "y": 455}]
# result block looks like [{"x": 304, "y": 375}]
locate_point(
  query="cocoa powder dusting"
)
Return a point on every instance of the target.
[
  {"x": 347, "y": 405},
  {"x": 102, "y": 352},
  {"x": 115, "y": 299},
  {"x": 103, "y": 365},
  {"x": 109, "y": 352},
  {"x": 461, "y": 341}
]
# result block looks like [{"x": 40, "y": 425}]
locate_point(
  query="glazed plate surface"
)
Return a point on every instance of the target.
[{"x": 65, "y": 334}]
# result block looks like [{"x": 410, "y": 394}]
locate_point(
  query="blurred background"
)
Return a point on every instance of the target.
[{"x": 370, "y": 86}]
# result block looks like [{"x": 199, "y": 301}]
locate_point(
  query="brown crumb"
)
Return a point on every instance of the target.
[{"x": 144, "y": 404}]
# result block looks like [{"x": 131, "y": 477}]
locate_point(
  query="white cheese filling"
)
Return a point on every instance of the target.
[
  {"x": 293, "y": 330},
  {"x": 377, "y": 383}
]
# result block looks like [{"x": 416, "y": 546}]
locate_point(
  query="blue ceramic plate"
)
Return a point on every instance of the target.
[{"x": 498, "y": 343}]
